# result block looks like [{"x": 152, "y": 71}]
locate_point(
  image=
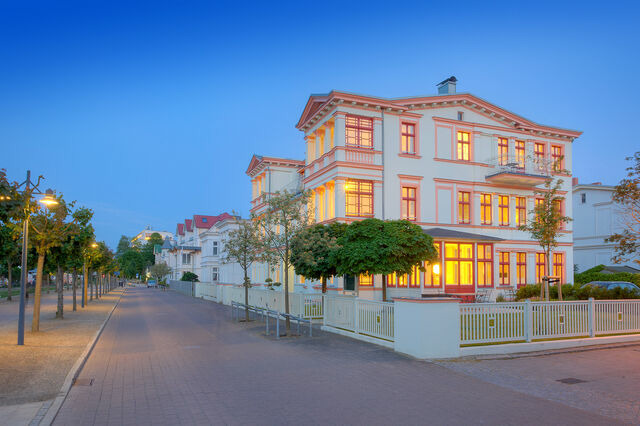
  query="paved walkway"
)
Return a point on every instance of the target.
[{"x": 165, "y": 358}]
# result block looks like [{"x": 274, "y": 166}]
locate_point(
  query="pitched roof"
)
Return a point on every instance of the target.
[
  {"x": 189, "y": 225},
  {"x": 259, "y": 160},
  {"x": 180, "y": 229},
  {"x": 167, "y": 243},
  {"x": 317, "y": 105},
  {"x": 206, "y": 222},
  {"x": 458, "y": 235}
]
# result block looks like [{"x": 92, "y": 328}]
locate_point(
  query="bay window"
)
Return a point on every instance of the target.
[
  {"x": 359, "y": 131},
  {"x": 359, "y": 198}
]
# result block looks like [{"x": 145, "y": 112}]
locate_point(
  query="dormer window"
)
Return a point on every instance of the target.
[{"x": 460, "y": 116}]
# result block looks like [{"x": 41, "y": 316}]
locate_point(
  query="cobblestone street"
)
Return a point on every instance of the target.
[{"x": 165, "y": 358}]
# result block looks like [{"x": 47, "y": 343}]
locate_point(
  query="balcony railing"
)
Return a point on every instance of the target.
[
  {"x": 359, "y": 156},
  {"x": 519, "y": 170}
]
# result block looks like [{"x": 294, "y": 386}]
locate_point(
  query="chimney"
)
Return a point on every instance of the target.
[
  {"x": 447, "y": 87},
  {"x": 574, "y": 181}
]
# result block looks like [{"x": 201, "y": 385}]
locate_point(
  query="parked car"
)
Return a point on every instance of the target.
[
  {"x": 610, "y": 285},
  {"x": 152, "y": 283}
]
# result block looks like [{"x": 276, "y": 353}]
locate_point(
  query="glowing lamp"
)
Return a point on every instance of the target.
[
  {"x": 49, "y": 199},
  {"x": 94, "y": 245},
  {"x": 436, "y": 269}
]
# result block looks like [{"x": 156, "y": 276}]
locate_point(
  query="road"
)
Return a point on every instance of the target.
[{"x": 169, "y": 359}]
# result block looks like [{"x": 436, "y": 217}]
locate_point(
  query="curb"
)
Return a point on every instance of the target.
[{"x": 47, "y": 417}]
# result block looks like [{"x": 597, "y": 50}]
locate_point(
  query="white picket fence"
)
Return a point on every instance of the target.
[
  {"x": 305, "y": 305},
  {"x": 527, "y": 321},
  {"x": 364, "y": 317}
]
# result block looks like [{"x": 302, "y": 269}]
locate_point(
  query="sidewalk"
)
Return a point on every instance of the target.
[{"x": 34, "y": 373}]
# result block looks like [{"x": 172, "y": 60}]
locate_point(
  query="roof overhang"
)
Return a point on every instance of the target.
[{"x": 449, "y": 234}]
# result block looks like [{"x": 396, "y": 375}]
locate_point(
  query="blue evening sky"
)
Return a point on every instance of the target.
[{"x": 149, "y": 112}]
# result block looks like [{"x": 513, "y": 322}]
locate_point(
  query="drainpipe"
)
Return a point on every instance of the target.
[{"x": 382, "y": 140}]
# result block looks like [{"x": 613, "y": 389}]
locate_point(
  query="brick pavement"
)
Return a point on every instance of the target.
[{"x": 165, "y": 358}]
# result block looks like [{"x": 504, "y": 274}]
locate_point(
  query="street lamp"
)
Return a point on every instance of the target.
[{"x": 49, "y": 200}]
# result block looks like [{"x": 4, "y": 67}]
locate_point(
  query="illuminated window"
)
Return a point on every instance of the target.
[
  {"x": 408, "y": 138},
  {"x": 503, "y": 151},
  {"x": 539, "y": 155},
  {"x": 558, "y": 207},
  {"x": 302, "y": 279},
  {"x": 540, "y": 267},
  {"x": 365, "y": 280},
  {"x": 520, "y": 154},
  {"x": 485, "y": 209},
  {"x": 558, "y": 265},
  {"x": 503, "y": 210},
  {"x": 458, "y": 264},
  {"x": 432, "y": 274},
  {"x": 408, "y": 203},
  {"x": 359, "y": 198},
  {"x": 414, "y": 277},
  {"x": 359, "y": 131},
  {"x": 521, "y": 268},
  {"x": 463, "y": 146},
  {"x": 539, "y": 204},
  {"x": 521, "y": 211},
  {"x": 505, "y": 267},
  {"x": 464, "y": 207},
  {"x": 485, "y": 265},
  {"x": 391, "y": 280},
  {"x": 557, "y": 157}
]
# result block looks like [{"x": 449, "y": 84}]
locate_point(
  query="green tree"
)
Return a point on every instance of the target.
[
  {"x": 627, "y": 196},
  {"x": 51, "y": 229},
  {"x": 77, "y": 245},
  {"x": 373, "y": 246},
  {"x": 545, "y": 225},
  {"x": 244, "y": 247},
  {"x": 159, "y": 270},
  {"x": 313, "y": 251},
  {"x": 285, "y": 216},
  {"x": 10, "y": 250},
  {"x": 131, "y": 263},
  {"x": 123, "y": 246},
  {"x": 147, "y": 248},
  {"x": 189, "y": 276}
]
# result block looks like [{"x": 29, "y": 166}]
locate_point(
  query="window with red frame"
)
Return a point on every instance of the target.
[
  {"x": 503, "y": 151},
  {"x": 540, "y": 267},
  {"x": 414, "y": 277},
  {"x": 485, "y": 209},
  {"x": 359, "y": 131},
  {"x": 432, "y": 274},
  {"x": 557, "y": 158},
  {"x": 521, "y": 211},
  {"x": 390, "y": 280},
  {"x": 520, "y": 154},
  {"x": 365, "y": 280},
  {"x": 485, "y": 265},
  {"x": 558, "y": 265},
  {"x": 464, "y": 207},
  {"x": 408, "y": 138},
  {"x": 464, "y": 146},
  {"x": 521, "y": 268},
  {"x": 557, "y": 205},
  {"x": 539, "y": 155},
  {"x": 503, "y": 210},
  {"x": 505, "y": 267},
  {"x": 409, "y": 203},
  {"x": 359, "y": 198}
]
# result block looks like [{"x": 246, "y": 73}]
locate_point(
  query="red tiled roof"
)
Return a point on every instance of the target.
[
  {"x": 189, "y": 224},
  {"x": 180, "y": 229},
  {"x": 206, "y": 222}
]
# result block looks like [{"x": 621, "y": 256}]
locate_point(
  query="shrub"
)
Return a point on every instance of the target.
[
  {"x": 577, "y": 292},
  {"x": 500, "y": 299},
  {"x": 189, "y": 276},
  {"x": 595, "y": 274}
]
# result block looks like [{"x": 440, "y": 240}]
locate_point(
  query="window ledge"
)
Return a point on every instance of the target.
[{"x": 406, "y": 155}]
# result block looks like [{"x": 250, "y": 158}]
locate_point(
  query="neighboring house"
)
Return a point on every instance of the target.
[
  {"x": 184, "y": 253},
  {"x": 213, "y": 267},
  {"x": 595, "y": 218},
  {"x": 463, "y": 169},
  {"x": 145, "y": 235}
]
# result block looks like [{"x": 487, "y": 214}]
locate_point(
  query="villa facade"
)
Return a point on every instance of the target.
[{"x": 463, "y": 169}]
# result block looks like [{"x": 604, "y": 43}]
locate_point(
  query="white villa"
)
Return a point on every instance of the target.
[
  {"x": 459, "y": 166},
  {"x": 595, "y": 218}
]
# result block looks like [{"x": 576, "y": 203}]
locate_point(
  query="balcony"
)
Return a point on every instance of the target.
[{"x": 525, "y": 172}]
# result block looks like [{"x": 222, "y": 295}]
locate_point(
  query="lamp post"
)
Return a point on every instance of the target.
[
  {"x": 49, "y": 199},
  {"x": 85, "y": 277}
]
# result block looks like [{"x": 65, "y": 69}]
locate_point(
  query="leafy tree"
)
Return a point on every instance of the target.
[
  {"x": 627, "y": 196},
  {"x": 76, "y": 246},
  {"x": 131, "y": 263},
  {"x": 189, "y": 276},
  {"x": 159, "y": 270},
  {"x": 545, "y": 226},
  {"x": 243, "y": 246},
  {"x": 312, "y": 251},
  {"x": 51, "y": 229},
  {"x": 10, "y": 250},
  {"x": 373, "y": 246},
  {"x": 148, "y": 247},
  {"x": 285, "y": 216},
  {"x": 123, "y": 246}
]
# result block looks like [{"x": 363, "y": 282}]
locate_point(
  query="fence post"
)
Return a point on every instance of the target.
[
  {"x": 592, "y": 318},
  {"x": 324, "y": 314},
  {"x": 528, "y": 320},
  {"x": 356, "y": 325}
]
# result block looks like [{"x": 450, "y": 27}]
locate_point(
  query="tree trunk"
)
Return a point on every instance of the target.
[
  {"x": 35, "y": 325},
  {"x": 286, "y": 294},
  {"x": 10, "y": 266},
  {"x": 60, "y": 288},
  {"x": 246, "y": 297},
  {"x": 384, "y": 288},
  {"x": 74, "y": 286},
  {"x": 85, "y": 285},
  {"x": 90, "y": 285},
  {"x": 546, "y": 272},
  {"x": 323, "y": 280}
]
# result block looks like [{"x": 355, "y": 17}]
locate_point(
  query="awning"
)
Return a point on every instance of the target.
[{"x": 448, "y": 234}]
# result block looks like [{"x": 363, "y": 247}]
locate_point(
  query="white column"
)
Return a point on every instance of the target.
[{"x": 340, "y": 199}]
